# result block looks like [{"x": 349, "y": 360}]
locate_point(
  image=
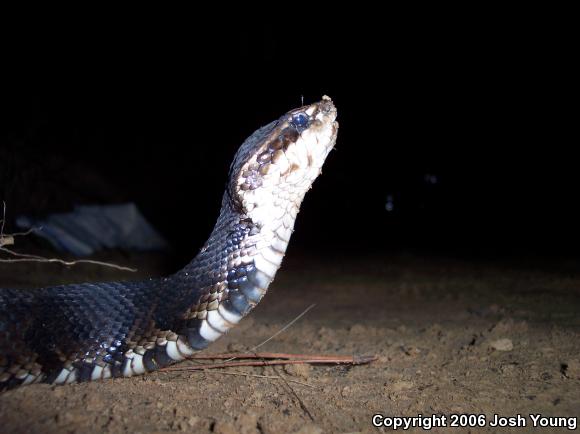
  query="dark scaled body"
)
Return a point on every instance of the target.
[{"x": 82, "y": 326}]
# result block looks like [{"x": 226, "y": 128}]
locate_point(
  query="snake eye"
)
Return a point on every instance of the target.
[{"x": 300, "y": 120}]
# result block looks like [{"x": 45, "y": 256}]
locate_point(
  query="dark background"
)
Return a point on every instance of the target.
[{"x": 468, "y": 127}]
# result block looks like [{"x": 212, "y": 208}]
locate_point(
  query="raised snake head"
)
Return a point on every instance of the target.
[{"x": 277, "y": 165}]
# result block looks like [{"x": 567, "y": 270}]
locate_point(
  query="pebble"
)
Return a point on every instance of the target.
[
  {"x": 300, "y": 370},
  {"x": 503, "y": 344}
]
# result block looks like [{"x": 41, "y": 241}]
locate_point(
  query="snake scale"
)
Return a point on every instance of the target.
[{"x": 92, "y": 331}]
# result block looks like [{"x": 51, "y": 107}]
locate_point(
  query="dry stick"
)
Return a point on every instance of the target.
[
  {"x": 339, "y": 360},
  {"x": 23, "y": 234},
  {"x": 354, "y": 360},
  {"x": 21, "y": 257},
  {"x": 8, "y": 239}
]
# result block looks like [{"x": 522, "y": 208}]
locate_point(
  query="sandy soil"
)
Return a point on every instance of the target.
[{"x": 451, "y": 337}]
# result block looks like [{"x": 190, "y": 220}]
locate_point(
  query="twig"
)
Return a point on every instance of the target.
[
  {"x": 28, "y": 232},
  {"x": 355, "y": 360},
  {"x": 324, "y": 360},
  {"x": 22, "y": 257},
  {"x": 8, "y": 239}
]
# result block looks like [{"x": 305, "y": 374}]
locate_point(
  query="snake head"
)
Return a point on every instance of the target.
[{"x": 278, "y": 163}]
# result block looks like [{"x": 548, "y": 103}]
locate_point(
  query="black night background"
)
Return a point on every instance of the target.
[
  {"x": 159, "y": 121},
  {"x": 466, "y": 136}
]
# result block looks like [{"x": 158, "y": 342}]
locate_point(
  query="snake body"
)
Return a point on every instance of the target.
[{"x": 91, "y": 331}]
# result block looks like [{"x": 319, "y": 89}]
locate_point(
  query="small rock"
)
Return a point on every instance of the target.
[
  {"x": 503, "y": 344},
  {"x": 299, "y": 370}
]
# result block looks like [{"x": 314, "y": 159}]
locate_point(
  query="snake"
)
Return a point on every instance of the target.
[{"x": 93, "y": 331}]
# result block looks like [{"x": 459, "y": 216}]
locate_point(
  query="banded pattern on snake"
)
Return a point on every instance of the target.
[{"x": 92, "y": 331}]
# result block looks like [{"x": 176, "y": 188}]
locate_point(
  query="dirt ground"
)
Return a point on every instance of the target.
[{"x": 451, "y": 337}]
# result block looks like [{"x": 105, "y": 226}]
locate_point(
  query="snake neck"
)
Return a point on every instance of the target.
[
  {"x": 270, "y": 174},
  {"x": 232, "y": 272}
]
